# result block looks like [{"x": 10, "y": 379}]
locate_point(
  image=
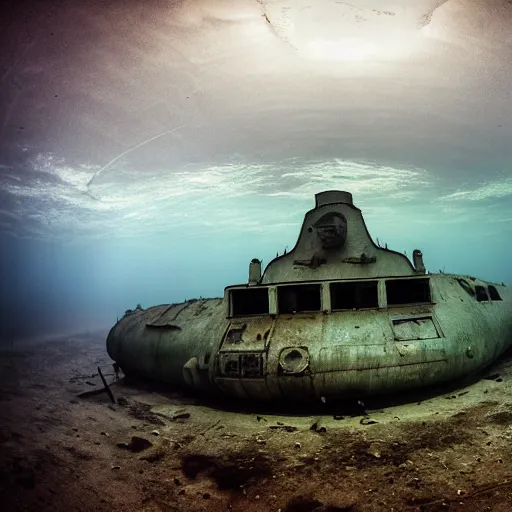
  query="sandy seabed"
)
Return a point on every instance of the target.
[{"x": 156, "y": 450}]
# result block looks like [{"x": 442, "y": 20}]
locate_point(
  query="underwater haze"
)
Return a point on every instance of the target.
[{"x": 149, "y": 150}]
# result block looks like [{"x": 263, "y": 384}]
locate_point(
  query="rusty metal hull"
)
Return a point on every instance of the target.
[
  {"x": 339, "y": 315},
  {"x": 307, "y": 356},
  {"x": 158, "y": 341}
]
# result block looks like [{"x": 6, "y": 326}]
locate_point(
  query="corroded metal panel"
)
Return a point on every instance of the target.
[
  {"x": 157, "y": 342},
  {"x": 410, "y": 329},
  {"x": 381, "y": 380},
  {"x": 248, "y": 334},
  {"x": 367, "y": 357},
  {"x": 302, "y": 330}
]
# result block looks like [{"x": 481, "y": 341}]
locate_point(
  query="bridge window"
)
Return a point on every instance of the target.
[
  {"x": 249, "y": 301},
  {"x": 357, "y": 295},
  {"x": 299, "y": 298},
  {"x": 481, "y": 294},
  {"x": 466, "y": 286},
  {"x": 493, "y": 293},
  {"x": 407, "y": 291}
]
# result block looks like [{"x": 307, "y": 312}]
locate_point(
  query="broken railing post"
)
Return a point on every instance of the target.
[{"x": 109, "y": 391}]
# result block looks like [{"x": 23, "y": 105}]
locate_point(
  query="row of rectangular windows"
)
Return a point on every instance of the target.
[{"x": 343, "y": 296}]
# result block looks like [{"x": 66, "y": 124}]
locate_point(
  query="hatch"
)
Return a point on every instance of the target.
[{"x": 416, "y": 328}]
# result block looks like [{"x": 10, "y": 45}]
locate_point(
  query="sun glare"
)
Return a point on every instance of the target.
[{"x": 358, "y": 49}]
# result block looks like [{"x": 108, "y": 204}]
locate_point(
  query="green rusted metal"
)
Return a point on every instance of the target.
[{"x": 336, "y": 316}]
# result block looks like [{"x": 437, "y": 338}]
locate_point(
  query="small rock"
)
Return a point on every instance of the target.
[
  {"x": 286, "y": 428},
  {"x": 206, "y": 495},
  {"x": 298, "y": 445},
  {"x": 181, "y": 416},
  {"x": 139, "y": 443},
  {"x": 123, "y": 446},
  {"x": 367, "y": 421},
  {"x": 115, "y": 467},
  {"x": 177, "y": 481},
  {"x": 155, "y": 433},
  {"x": 338, "y": 417},
  {"x": 103, "y": 434}
]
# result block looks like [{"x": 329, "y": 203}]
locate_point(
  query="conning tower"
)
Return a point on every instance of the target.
[{"x": 334, "y": 243}]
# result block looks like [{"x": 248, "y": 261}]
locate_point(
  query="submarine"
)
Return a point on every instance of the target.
[{"x": 338, "y": 316}]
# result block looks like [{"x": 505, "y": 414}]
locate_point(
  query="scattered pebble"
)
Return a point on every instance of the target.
[
  {"x": 137, "y": 444},
  {"x": 367, "y": 421},
  {"x": 287, "y": 428},
  {"x": 181, "y": 416}
]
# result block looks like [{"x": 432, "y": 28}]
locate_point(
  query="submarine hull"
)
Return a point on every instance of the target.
[
  {"x": 337, "y": 316},
  {"x": 305, "y": 356}
]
